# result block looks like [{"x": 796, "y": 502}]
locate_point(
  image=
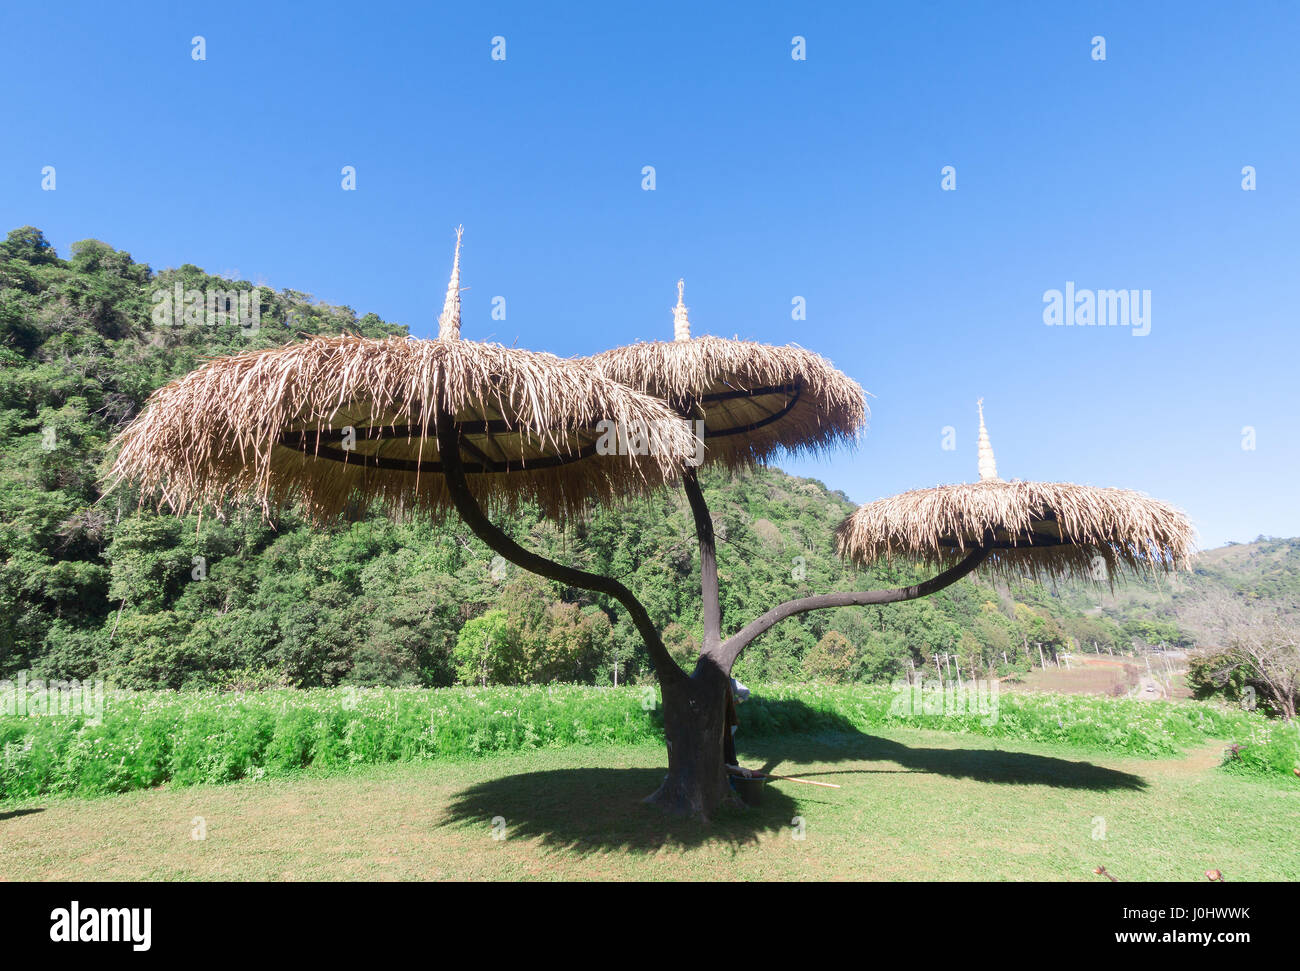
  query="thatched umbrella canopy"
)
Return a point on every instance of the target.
[
  {"x": 335, "y": 421},
  {"x": 1037, "y": 529},
  {"x": 754, "y": 398}
]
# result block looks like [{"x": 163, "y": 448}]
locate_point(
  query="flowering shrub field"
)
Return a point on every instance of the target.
[{"x": 149, "y": 738}]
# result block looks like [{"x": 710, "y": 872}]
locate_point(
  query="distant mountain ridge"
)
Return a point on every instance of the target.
[{"x": 1267, "y": 569}]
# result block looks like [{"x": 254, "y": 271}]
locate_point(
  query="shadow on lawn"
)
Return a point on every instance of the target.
[
  {"x": 599, "y": 810},
  {"x": 594, "y": 810},
  {"x": 15, "y": 813},
  {"x": 993, "y": 766}
]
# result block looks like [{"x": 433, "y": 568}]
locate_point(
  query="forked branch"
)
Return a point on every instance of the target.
[
  {"x": 476, "y": 519},
  {"x": 711, "y": 609},
  {"x": 730, "y": 649}
]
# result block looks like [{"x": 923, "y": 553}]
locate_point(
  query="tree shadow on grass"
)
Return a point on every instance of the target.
[
  {"x": 601, "y": 810},
  {"x": 14, "y": 813},
  {"x": 591, "y": 810},
  {"x": 993, "y": 766}
]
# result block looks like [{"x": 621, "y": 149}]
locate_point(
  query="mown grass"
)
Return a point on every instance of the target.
[
  {"x": 146, "y": 739},
  {"x": 913, "y": 805}
]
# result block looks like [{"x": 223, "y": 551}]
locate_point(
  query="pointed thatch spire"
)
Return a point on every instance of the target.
[
  {"x": 449, "y": 319},
  {"x": 681, "y": 324},
  {"x": 988, "y": 467}
]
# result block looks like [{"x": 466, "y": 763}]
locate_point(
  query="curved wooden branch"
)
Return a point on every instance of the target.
[
  {"x": 711, "y": 609},
  {"x": 730, "y": 649},
  {"x": 475, "y": 518}
]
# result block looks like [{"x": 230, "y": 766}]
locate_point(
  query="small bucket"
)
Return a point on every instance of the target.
[{"x": 749, "y": 790}]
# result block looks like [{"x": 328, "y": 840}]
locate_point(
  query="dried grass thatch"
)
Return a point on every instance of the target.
[
  {"x": 755, "y": 399},
  {"x": 271, "y": 424},
  {"x": 274, "y": 424},
  {"x": 1035, "y": 529}
]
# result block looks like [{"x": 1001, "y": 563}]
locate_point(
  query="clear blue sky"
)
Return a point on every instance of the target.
[{"x": 775, "y": 178}]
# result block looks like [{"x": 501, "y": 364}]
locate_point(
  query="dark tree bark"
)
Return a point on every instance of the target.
[
  {"x": 711, "y": 608},
  {"x": 694, "y": 722}
]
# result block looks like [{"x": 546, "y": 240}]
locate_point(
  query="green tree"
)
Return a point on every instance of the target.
[
  {"x": 883, "y": 657},
  {"x": 831, "y": 659},
  {"x": 27, "y": 243},
  {"x": 483, "y": 654}
]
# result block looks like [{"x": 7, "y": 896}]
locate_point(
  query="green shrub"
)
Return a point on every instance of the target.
[{"x": 149, "y": 738}]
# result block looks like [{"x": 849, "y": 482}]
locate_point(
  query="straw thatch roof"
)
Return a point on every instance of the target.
[
  {"x": 333, "y": 422},
  {"x": 754, "y": 398},
  {"x": 1034, "y": 529}
]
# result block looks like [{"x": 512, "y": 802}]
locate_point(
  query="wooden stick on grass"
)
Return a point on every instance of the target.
[{"x": 790, "y": 778}]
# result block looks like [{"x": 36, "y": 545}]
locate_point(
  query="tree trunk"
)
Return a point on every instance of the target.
[
  {"x": 694, "y": 707},
  {"x": 694, "y": 713}
]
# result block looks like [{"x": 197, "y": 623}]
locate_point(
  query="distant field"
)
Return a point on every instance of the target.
[
  {"x": 1116, "y": 677},
  {"x": 914, "y": 805}
]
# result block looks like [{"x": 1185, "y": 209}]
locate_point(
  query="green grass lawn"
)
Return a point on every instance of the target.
[{"x": 914, "y": 805}]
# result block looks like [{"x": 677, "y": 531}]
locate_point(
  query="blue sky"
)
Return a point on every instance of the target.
[{"x": 775, "y": 178}]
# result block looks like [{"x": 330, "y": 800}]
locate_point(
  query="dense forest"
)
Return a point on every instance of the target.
[{"x": 95, "y": 585}]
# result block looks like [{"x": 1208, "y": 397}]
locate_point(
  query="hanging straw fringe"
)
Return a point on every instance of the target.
[
  {"x": 831, "y": 409},
  {"x": 1038, "y": 529}
]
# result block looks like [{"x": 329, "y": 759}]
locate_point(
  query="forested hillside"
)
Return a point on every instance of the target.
[
  {"x": 1170, "y": 609},
  {"x": 93, "y": 586}
]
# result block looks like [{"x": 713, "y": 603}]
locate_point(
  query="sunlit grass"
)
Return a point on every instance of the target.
[{"x": 913, "y": 805}]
